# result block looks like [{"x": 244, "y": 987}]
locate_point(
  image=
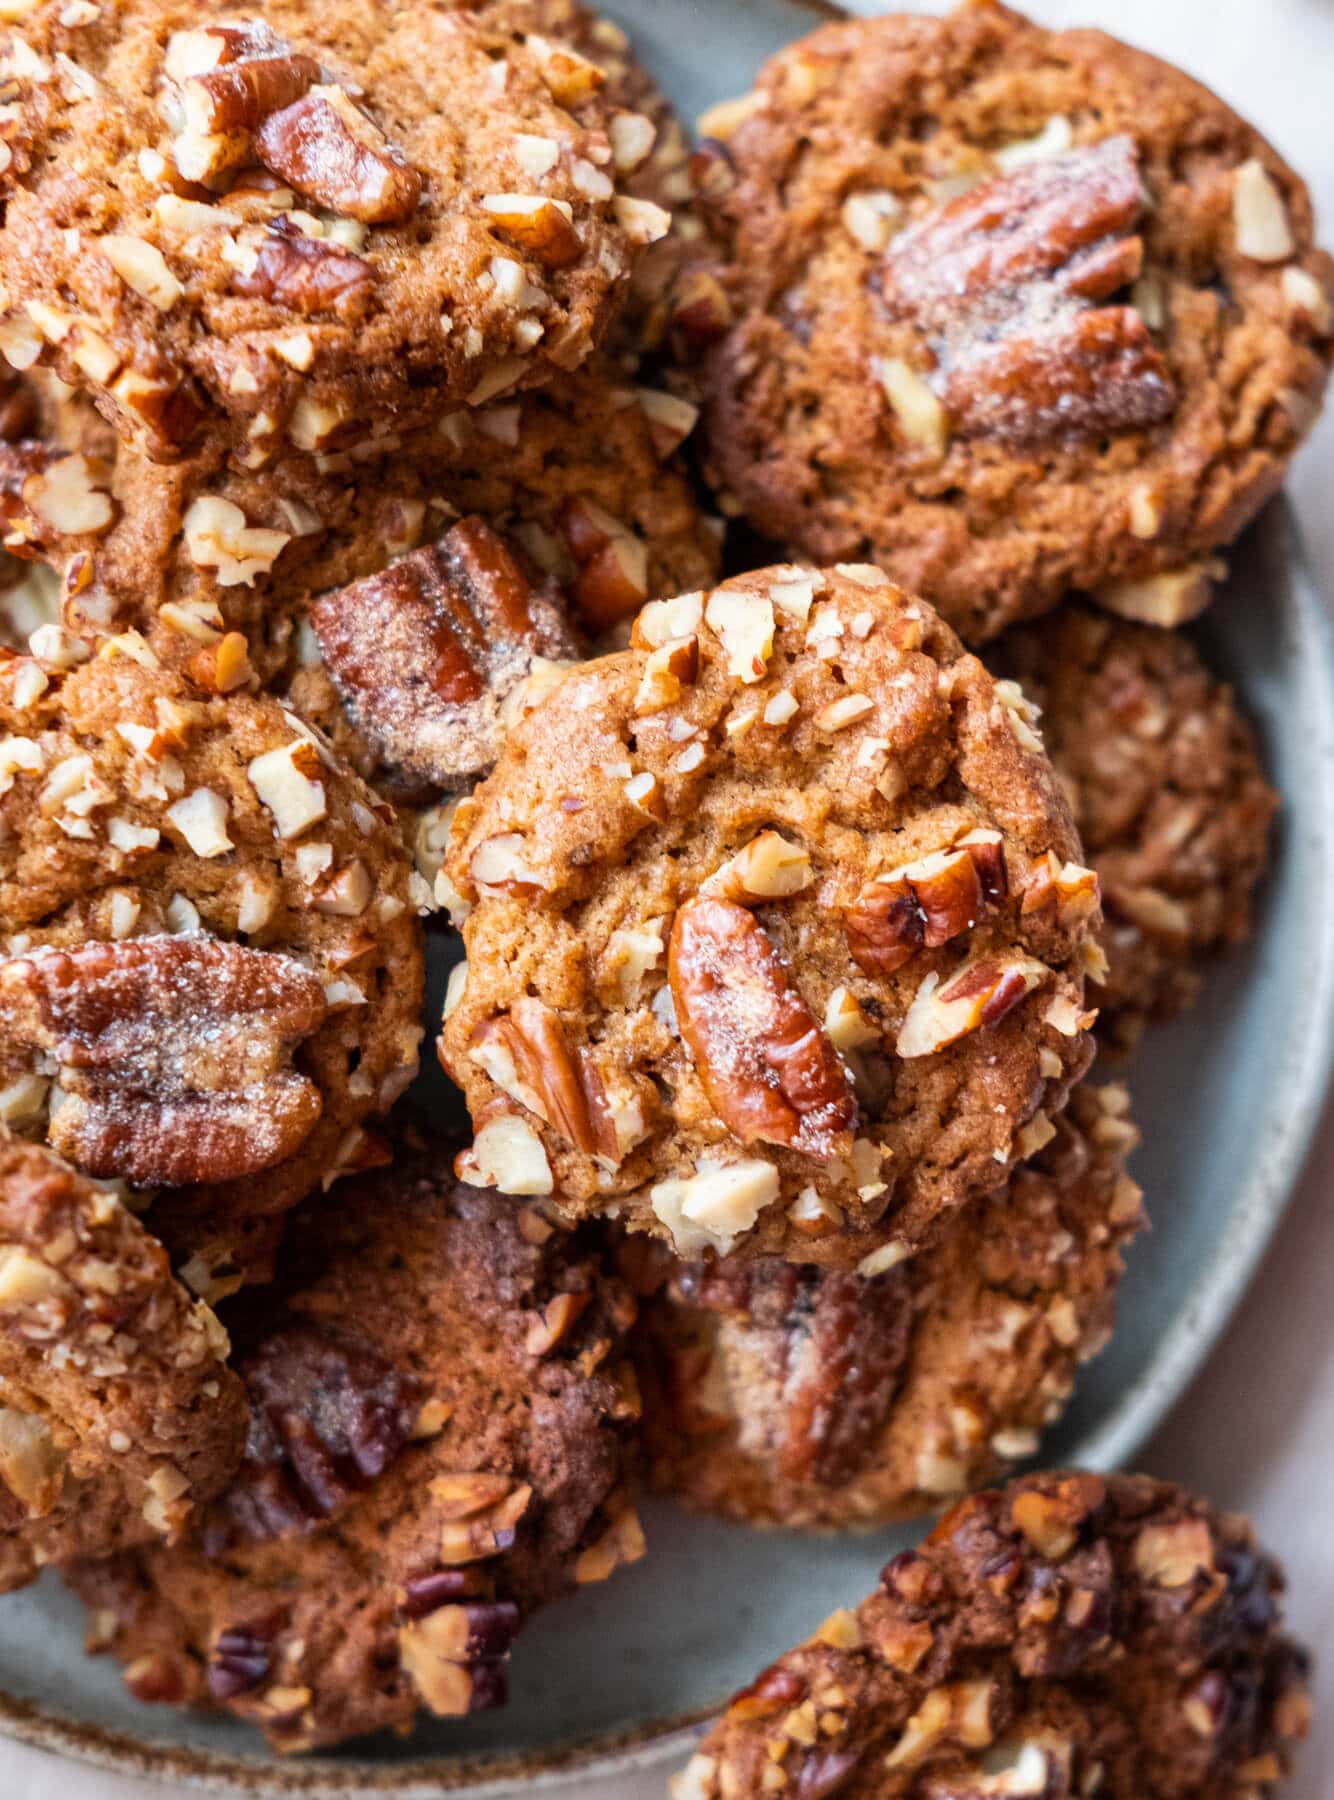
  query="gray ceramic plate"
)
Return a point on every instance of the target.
[{"x": 1228, "y": 1098}]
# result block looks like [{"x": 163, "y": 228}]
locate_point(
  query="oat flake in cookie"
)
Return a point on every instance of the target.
[
  {"x": 816, "y": 1398},
  {"x": 438, "y": 1445},
  {"x": 272, "y": 227},
  {"x": 775, "y": 928},
  {"x": 1169, "y": 793},
  {"x": 1008, "y": 311},
  {"x": 1069, "y": 1635},
  {"x": 213, "y": 972},
  {"x": 118, "y": 1415}
]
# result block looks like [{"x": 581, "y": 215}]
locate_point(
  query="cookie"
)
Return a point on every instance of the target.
[
  {"x": 1070, "y": 1634},
  {"x": 242, "y": 229},
  {"x": 584, "y": 474},
  {"x": 118, "y": 1415},
  {"x": 774, "y": 928},
  {"x": 1168, "y": 790},
  {"x": 214, "y": 971},
  {"x": 1008, "y": 311},
  {"x": 813, "y": 1398},
  {"x": 438, "y": 1445}
]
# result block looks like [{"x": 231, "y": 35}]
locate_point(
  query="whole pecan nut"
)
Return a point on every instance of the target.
[
  {"x": 1003, "y": 282},
  {"x": 173, "y": 1054},
  {"x": 771, "y": 1074}
]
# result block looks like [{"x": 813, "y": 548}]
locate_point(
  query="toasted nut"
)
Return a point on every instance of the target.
[
  {"x": 32, "y": 1466},
  {"x": 1259, "y": 215},
  {"x": 710, "y": 1209},
  {"x": 537, "y": 224},
  {"x": 328, "y": 150},
  {"x": 1169, "y": 599},
  {"x": 506, "y": 1154},
  {"x": 142, "y": 267},
  {"x": 979, "y": 994},
  {"x": 768, "y": 868},
  {"x": 770, "y": 1073},
  {"x": 926, "y": 903},
  {"x": 571, "y": 78}
]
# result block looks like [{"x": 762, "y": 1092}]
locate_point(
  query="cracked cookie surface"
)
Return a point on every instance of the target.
[
  {"x": 118, "y": 1415},
  {"x": 1066, "y": 1635},
  {"x": 440, "y": 1409},
  {"x": 1008, "y": 311},
  {"x": 775, "y": 927},
  {"x": 270, "y": 230},
  {"x": 1168, "y": 789},
  {"x": 817, "y": 1399},
  {"x": 212, "y": 964}
]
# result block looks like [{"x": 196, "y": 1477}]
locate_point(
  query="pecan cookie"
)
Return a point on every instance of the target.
[
  {"x": 1007, "y": 310},
  {"x": 213, "y": 966},
  {"x": 437, "y": 1444},
  {"x": 282, "y": 228},
  {"x": 1067, "y": 1635},
  {"x": 584, "y": 474},
  {"x": 1167, "y": 787},
  {"x": 775, "y": 930},
  {"x": 814, "y": 1398},
  {"x": 118, "y": 1416}
]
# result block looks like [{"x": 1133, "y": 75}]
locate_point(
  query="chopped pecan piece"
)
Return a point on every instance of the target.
[
  {"x": 328, "y": 150},
  {"x": 310, "y": 275},
  {"x": 224, "y": 80},
  {"x": 1003, "y": 284},
  {"x": 926, "y": 903},
  {"x": 526, "y": 1054},
  {"x": 427, "y": 653},
  {"x": 173, "y": 1053},
  {"x": 771, "y": 1074},
  {"x": 328, "y": 1415},
  {"x": 977, "y": 995}
]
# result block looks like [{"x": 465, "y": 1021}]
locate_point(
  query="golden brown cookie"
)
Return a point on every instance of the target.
[
  {"x": 584, "y": 474},
  {"x": 1068, "y": 1635},
  {"x": 1168, "y": 790},
  {"x": 118, "y": 1416},
  {"x": 775, "y": 927},
  {"x": 813, "y": 1398},
  {"x": 228, "y": 226},
  {"x": 438, "y": 1445},
  {"x": 1006, "y": 310},
  {"x": 213, "y": 972}
]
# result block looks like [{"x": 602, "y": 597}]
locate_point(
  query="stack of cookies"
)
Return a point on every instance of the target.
[{"x": 715, "y": 611}]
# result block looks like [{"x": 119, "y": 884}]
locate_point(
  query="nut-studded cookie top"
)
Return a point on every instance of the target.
[
  {"x": 816, "y": 1398},
  {"x": 776, "y": 927},
  {"x": 1166, "y": 783},
  {"x": 1007, "y": 310},
  {"x": 438, "y": 1434},
  {"x": 584, "y": 474},
  {"x": 267, "y": 227},
  {"x": 1068, "y": 1635},
  {"x": 118, "y": 1416},
  {"x": 213, "y": 966}
]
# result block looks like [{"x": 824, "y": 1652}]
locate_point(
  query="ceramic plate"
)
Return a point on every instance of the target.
[{"x": 1228, "y": 1098}]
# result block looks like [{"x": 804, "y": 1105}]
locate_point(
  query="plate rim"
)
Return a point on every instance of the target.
[{"x": 1183, "y": 1351}]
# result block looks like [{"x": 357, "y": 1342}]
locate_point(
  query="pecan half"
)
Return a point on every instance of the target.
[
  {"x": 328, "y": 1415},
  {"x": 1003, "y": 284},
  {"x": 427, "y": 653},
  {"x": 925, "y": 903},
  {"x": 310, "y": 275},
  {"x": 770, "y": 1073},
  {"x": 327, "y": 149},
  {"x": 173, "y": 1053}
]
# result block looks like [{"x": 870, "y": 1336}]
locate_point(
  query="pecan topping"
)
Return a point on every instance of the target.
[
  {"x": 47, "y": 495},
  {"x": 526, "y": 1054},
  {"x": 427, "y": 653},
  {"x": 240, "y": 1661},
  {"x": 173, "y": 1054},
  {"x": 308, "y": 274},
  {"x": 981, "y": 993},
  {"x": 225, "y": 80},
  {"x": 328, "y": 150},
  {"x": 771, "y": 1074},
  {"x": 1004, "y": 283},
  {"x": 328, "y": 1415},
  {"x": 926, "y": 903}
]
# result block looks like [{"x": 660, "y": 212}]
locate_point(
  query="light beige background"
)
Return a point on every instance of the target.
[{"x": 1257, "y": 1431}]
